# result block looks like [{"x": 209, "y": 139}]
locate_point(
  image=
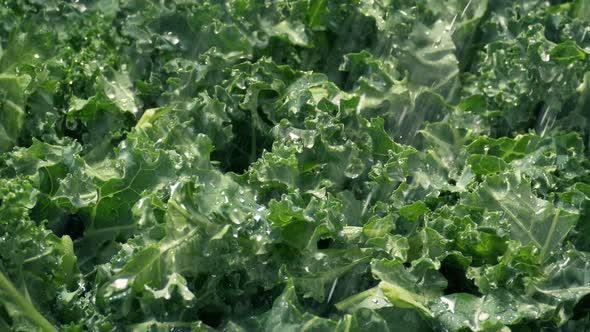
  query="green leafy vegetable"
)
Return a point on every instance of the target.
[{"x": 294, "y": 165}]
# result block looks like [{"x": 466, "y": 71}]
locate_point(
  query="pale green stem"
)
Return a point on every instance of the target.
[{"x": 28, "y": 309}]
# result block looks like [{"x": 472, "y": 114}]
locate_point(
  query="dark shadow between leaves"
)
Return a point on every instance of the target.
[{"x": 456, "y": 278}]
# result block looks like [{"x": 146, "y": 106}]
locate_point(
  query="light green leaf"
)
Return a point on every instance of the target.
[{"x": 532, "y": 220}]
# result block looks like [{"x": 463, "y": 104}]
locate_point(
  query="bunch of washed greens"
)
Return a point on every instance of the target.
[{"x": 294, "y": 165}]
